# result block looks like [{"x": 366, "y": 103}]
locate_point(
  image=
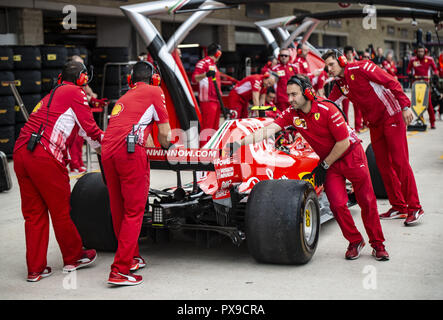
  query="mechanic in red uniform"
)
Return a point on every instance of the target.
[
  {"x": 423, "y": 65},
  {"x": 341, "y": 157},
  {"x": 204, "y": 72},
  {"x": 127, "y": 171},
  {"x": 272, "y": 61},
  {"x": 42, "y": 174},
  {"x": 387, "y": 111},
  {"x": 389, "y": 65},
  {"x": 75, "y": 143},
  {"x": 358, "y": 121},
  {"x": 284, "y": 70},
  {"x": 249, "y": 88}
]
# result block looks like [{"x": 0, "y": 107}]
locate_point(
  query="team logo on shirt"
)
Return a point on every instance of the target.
[
  {"x": 38, "y": 105},
  {"x": 300, "y": 123},
  {"x": 352, "y": 77},
  {"x": 317, "y": 116},
  {"x": 117, "y": 109}
]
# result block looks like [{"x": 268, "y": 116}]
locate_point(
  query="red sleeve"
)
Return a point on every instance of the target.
[
  {"x": 160, "y": 107},
  {"x": 389, "y": 82},
  {"x": 257, "y": 84},
  {"x": 336, "y": 123},
  {"x": 284, "y": 119},
  {"x": 410, "y": 65},
  {"x": 336, "y": 94},
  {"x": 200, "y": 68},
  {"x": 85, "y": 120}
]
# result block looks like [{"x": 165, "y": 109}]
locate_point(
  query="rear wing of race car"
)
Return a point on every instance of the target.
[{"x": 179, "y": 159}]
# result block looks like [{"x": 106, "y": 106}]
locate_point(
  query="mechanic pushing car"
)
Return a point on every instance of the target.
[
  {"x": 322, "y": 124},
  {"x": 204, "y": 73},
  {"x": 420, "y": 68},
  {"x": 284, "y": 70},
  {"x": 249, "y": 88},
  {"x": 386, "y": 109},
  {"x": 126, "y": 166},
  {"x": 40, "y": 159}
]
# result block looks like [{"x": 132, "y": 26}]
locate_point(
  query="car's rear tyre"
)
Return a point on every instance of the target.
[
  {"x": 377, "y": 181},
  {"x": 91, "y": 213},
  {"x": 282, "y": 221}
]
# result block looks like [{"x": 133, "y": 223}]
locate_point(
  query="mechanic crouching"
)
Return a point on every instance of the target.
[
  {"x": 126, "y": 166},
  {"x": 322, "y": 124},
  {"x": 40, "y": 159}
]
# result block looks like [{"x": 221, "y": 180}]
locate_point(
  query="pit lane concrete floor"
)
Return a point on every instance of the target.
[{"x": 182, "y": 270}]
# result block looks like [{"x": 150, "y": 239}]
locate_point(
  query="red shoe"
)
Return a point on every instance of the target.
[
  {"x": 354, "y": 250},
  {"x": 37, "y": 276},
  {"x": 119, "y": 279},
  {"x": 380, "y": 253},
  {"x": 88, "y": 257},
  {"x": 137, "y": 263},
  {"x": 393, "y": 214},
  {"x": 414, "y": 216}
]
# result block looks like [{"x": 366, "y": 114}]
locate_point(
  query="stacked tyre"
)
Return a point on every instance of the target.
[
  {"x": 115, "y": 78},
  {"x": 7, "y": 101},
  {"x": 53, "y": 60},
  {"x": 28, "y": 79}
]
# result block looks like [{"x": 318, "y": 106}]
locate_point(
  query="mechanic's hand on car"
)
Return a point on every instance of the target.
[
  {"x": 319, "y": 174},
  {"x": 210, "y": 74},
  {"x": 407, "y": 116},
  {"x": 232, "y": 147}
]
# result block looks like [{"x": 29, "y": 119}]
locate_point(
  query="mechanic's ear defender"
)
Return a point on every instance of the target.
[
  {"x": 217, "y": 53},
  {"x": 82, "y": 78},
  {"x": 341, "y": 58},
  {"x": 299, "y": 51},
  {"x": 155, "y": 77},
  {"x": 305, "y": 86}
]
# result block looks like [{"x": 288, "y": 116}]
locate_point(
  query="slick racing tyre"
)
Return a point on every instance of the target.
[
  {"x": 377, "y": 182},
  {"x": 282, "y": 221},
  {"x": 91, "y": 213}
]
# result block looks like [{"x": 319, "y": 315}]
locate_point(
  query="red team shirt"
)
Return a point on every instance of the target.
[
  {"x": 68, "y": 113},
  {"x": 390, "y": 67},
  {"x": 322, "y": 127},
  {"x": 378, "y": 94},
  {"x": 284, "y": 73},
  {"x": 206, "y": 87},
  {"x": 248, "y": 85},
  {"x": 140, "y": 107},
  {"x": 422, "y": 67}
]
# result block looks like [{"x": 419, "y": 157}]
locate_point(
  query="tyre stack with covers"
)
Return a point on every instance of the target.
[
  {"x": 7, "y": 101},
  {"x": 115, "y": 82},
  {"x": 27, "y": 72}
]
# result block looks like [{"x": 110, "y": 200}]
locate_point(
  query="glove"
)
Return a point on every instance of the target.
[
  {"x": 232, "y": 147},
  {"x": 210, "y": 74},
  {"x": 319, "y": 174},
  {"x": 98, "y": 103}
]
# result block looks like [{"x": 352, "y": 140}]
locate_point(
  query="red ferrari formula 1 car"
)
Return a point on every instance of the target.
[{"x": 257, "y": 195}]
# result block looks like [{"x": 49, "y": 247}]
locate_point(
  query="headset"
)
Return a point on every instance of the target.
[
  {"x": 419, "y": 47},
  {"x": 306, "y": 87},
  {"x": 341, "y": 58},
  {"x": 299, "y": 50},
  {"x": 155, "y": 78},
  {"x": 214, "y": 49},
  {"x": 82, "y": 78}
]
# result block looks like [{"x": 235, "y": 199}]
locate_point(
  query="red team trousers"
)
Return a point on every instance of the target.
[
  {"x": 391, "y": 153},
  {"x": 354, "y": 167},
  {"x": 45, "y": 190},
  {"x": 210, "y": 119},
  {"x": 127, "y": 178}
]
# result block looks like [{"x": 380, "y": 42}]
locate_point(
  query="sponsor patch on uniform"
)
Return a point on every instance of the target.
[
  {"x": 299, "y": 123},
  {"x": 117, "y": 109}
]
